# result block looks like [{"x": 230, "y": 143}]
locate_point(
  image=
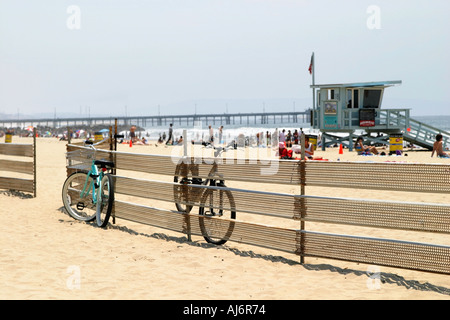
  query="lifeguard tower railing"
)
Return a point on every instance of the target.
[
  {"x": 394, "y": 121},
  {"x": 424, "y": 135},
  {"x": 387, "y": 120}
]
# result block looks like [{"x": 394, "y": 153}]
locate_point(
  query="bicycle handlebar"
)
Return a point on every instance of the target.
[
  {"x": 92, "y": 143},
  {"x": 97, "y": 143}
]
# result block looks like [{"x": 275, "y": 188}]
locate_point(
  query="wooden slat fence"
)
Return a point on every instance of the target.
[
  {"x": 395, "y": 215},
  {"x": 27, "y": 166}
]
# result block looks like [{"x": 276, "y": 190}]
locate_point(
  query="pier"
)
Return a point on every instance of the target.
[{"x": 164, "y": 120}]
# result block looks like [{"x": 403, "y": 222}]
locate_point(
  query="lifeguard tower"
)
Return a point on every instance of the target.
[{"x": 343, "y": 109}]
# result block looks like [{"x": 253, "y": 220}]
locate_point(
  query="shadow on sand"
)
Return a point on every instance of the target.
[
  {"x": 18, "y": 194},
  {"x": 385, "y": 278}
]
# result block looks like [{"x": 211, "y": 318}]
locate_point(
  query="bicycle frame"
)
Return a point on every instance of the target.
[{"x": 94, "y": 184}]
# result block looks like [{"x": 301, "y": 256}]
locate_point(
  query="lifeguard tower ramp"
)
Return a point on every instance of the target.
[{"x": 345, "y": 111}]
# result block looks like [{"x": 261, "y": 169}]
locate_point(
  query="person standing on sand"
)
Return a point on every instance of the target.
[
  {"x": 295, "y": 136},
  {"x": 220, "y": 134},
  {"x": 282, "y": 137},
  {"x": 211, "y": 135},
  {"x": 438, "y": 148},
  {"x": 170, "y": 134},
  {"x": 275, "y": 138},
  {"x": 289, "y": 139}
]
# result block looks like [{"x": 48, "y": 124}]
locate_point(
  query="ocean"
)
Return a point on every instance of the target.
[{"x": 440, "y": 122}]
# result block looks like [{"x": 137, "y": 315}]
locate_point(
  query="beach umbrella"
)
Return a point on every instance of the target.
[
  {"x": 104, "y": 130},
  {"x": 29, "y": 128}
]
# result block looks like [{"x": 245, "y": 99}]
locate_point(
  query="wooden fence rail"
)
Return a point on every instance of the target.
[
  {"x": 26, "y": 167},
  {"x": 380, "y": 214}
]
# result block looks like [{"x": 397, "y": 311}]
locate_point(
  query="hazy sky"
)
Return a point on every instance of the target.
[{"x": 209, "y": 55}]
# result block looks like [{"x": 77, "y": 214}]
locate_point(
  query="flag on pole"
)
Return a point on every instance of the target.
[{"x": 311, "y": 65}]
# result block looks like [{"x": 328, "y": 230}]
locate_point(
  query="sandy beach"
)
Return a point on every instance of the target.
[{"x": 44, "y": 252}]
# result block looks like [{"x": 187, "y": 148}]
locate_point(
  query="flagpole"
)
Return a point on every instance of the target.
[{"x": 313, "y": 67}]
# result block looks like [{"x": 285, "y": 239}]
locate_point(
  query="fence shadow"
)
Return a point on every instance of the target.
[
  {"x": 385, "y": 278},
  {"x": 18, "y": 194}
]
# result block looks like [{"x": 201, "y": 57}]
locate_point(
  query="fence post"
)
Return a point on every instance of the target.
[
  {"x": 69, "y": 161},
  {"x": 111, "y": 142},
  {"x": 34, "y": 162},
  {"x": 111, "y": 158},
  {"x": 302, "y": 200},
  {"x": 186, "y": 216},
  {"x": 115, "y": 146},
  {"x": 185, "y": 150}
]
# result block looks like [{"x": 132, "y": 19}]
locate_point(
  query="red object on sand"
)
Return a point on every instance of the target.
[
  {"x": 341, "y": 150},
  {"x": 131, "y": 143}
]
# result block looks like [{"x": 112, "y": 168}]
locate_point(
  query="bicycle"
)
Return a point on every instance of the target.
[
  {"x": 214, "y": 202},
  {"x": 89, "y": 195}
]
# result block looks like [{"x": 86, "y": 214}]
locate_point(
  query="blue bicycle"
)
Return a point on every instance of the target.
[{"x": 89, "y": 195}]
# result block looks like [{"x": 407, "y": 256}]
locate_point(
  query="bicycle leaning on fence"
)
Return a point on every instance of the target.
[
  {"x": 214, "y": 203},
  {"x": 89, "y": 194}
]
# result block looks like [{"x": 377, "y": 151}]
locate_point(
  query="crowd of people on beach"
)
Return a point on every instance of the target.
[
  {"x": 29, "y": 132},
  {"x": 285, "y": 142},
  {"x": 212, "y": 138}
]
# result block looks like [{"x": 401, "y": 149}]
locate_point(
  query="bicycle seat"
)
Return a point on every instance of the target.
[{"x": 104, "y": 164}]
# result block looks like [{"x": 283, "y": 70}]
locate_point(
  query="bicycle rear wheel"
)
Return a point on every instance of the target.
[
  {"x": 105, "y": 200},
  {"x": 78, "y": 207},
  {"x": 218, "y": 210},
  {"x": 183, "y": 195}
]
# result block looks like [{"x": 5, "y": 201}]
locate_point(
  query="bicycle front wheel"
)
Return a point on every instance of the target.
[
  {"x": 77, "y": 197},
  {"x": 218, "y": 210},
  {"x": 105, "y": 200}
]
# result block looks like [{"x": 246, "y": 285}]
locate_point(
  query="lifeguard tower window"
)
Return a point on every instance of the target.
[
  {"x": 330, "y": 94},
  {"x": 352, "y": 98},
  {"x": 371, "y": 98}
]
